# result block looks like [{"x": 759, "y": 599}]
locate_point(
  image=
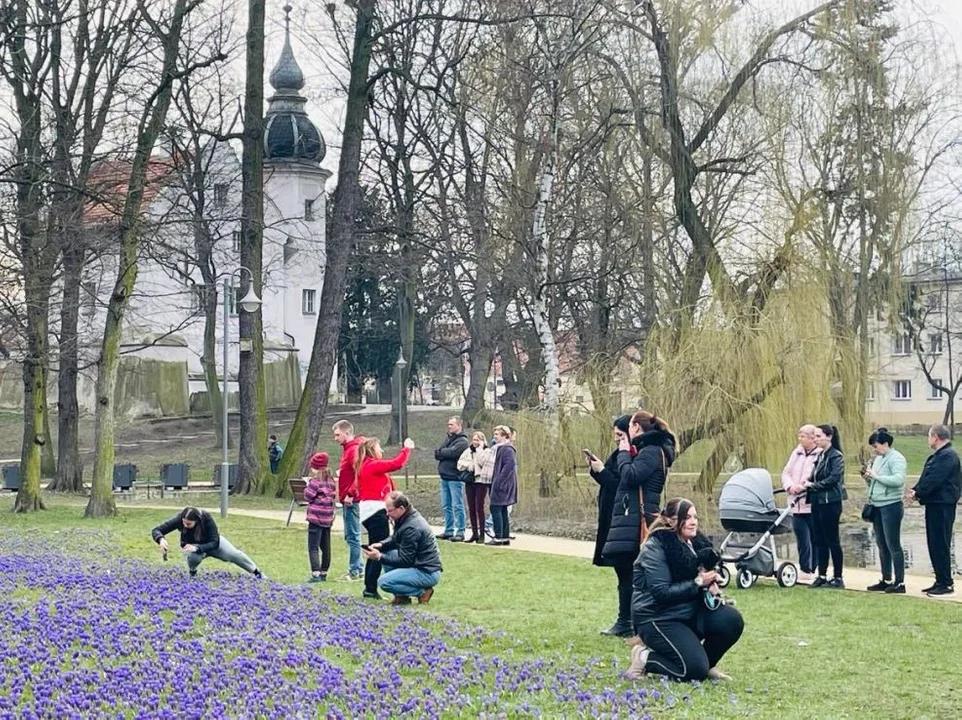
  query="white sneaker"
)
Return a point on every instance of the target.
[
  {"x": 639, "y": 659},
  {"x": 716, "y": 674}
]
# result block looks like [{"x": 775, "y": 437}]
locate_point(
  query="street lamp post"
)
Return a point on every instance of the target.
[
  {"x": 249, "y": 303},
  {"x": 400, "y": 365}
]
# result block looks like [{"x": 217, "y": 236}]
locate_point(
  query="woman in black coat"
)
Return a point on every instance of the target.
[
  {"x": 607, "y": 477},
  {"x": 826, "y": 491},
  {"x": 643, "y": 461}
]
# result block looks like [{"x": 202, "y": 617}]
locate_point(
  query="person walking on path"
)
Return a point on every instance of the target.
[
  {"x": 452, "y": 489},
  {"x": 347, "y": 495},
  {"x": 886, "y": 484},
  {"x": 606, "y": 475},
  {"x": 476, "y": 488},
  {"x": 797, "y": 471},
  {"x": 938, "y": 491},
  {"x": 374, "y": 485},
  {"x": 504, "y": 485},
  {"x": 320, "y": 494},
  {"x": 826, "y": 491},
  {"x": 410, "y": 556},
  {"x": 199, "y": 539}
]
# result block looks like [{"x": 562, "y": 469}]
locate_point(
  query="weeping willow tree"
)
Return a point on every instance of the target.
[{"x": 745, "y": 376}]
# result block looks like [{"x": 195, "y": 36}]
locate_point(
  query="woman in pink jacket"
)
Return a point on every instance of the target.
[{"x": 797, "y": 470}]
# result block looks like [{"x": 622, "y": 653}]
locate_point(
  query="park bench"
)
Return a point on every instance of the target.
[{"x": 298, "y": 485}]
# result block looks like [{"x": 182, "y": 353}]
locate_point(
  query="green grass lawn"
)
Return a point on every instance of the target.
[{"x": 804, "y": 654}]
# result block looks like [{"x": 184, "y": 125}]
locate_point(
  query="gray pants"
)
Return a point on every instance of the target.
[{"x": 226, "y": 552}]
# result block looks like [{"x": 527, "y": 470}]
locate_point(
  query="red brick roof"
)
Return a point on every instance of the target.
[{"x": 108, "y": 185}]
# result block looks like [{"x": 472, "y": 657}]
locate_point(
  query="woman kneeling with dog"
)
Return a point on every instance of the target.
[{"x": 677, "y": 608}]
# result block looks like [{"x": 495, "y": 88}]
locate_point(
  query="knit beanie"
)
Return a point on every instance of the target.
[
  {"x": 319, "y": 460},
  {"x": 622, "y": 423}
]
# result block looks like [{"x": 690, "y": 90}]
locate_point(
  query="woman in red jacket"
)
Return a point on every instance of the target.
[{"x": 374, "y": 484}]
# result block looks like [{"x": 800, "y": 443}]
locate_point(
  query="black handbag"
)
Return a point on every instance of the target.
[
  {"x": 868, "y": 509},
  {"x": 466, "y": 476}
]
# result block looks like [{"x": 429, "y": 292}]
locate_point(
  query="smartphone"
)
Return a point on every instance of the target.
[
  {"x": 365, "y": 547},
  {"x": 588, "y": 454}
]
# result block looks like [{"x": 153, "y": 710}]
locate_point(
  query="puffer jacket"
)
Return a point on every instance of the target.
[
  {"x": 412, "y": 545},
  {"x": 828, "y": 479},
  {"x": 447, "y": 455},
  {"x": 645, "y": 472},
  {"x": 607, "y": 481},
  {"x": 204, "y": 534},
  {"x": 664, "y": 579}
]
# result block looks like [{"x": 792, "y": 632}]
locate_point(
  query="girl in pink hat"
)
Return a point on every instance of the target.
[{"x": 320, "y": 495}]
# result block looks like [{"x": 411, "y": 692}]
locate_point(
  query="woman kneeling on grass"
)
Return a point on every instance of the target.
[
  {"x": 676, "y": 606},
  {"x": 199, "y": 538}
]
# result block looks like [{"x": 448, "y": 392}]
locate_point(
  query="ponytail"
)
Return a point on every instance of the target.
[
  {"x": 364, "y": 451},
  {"x": 667, "y": 519},
  {"x": 648, "y": 421},
  {"x": 832, "y": 432}
]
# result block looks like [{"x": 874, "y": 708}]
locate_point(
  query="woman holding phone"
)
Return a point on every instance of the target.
[{"x": 606, "y": 475}]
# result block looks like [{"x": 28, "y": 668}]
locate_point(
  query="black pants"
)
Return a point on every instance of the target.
[
  {"x": 939, "y": 520},
  {"x": 825, "y": 537},
  {"x": 625, "y": 570},
  {"x": 378, "y": 530},
  {"x": 499, "y": 518},
  {"x": 677, "y": 649},
  {"x": 319, "y": 538},
  {"x": 802, "y": 525},
  {"x": 887, "y": 524}
]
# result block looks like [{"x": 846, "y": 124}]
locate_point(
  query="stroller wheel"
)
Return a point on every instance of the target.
[
  {"x": 724, "y": 576},
  {"x": 786, "y": 575},
  {"x": 745, "y": 578}
]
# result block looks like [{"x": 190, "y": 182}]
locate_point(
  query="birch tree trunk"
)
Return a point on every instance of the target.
[{"x": 101, "y": 501}]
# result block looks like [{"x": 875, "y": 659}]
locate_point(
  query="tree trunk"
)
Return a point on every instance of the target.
[
  {"x": 481, "y": 357},
  {"x": 69, "y": 476},
  {"x": 208, "y": 361},
  {"x": 101, "y": 502},
  {"x": 34, "y": 396},
  {"x": 253, "y": 467},
  {"x": 308, "y": 423}
]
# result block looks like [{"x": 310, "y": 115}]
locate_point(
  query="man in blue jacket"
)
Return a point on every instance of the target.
[{"x": 938, "y": 490}]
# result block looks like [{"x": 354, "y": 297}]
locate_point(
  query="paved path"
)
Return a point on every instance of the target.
[{"x": 855, "y": 578}]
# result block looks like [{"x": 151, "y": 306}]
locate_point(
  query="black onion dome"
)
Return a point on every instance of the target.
[{"x": 288, "y": 133}]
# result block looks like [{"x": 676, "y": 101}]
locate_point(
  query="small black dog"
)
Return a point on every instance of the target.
[{"x": 709, "y": 559}]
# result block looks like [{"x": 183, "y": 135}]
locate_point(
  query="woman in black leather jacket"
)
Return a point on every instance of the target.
[
  {"x": 676, "y": 606},
  {"x": 826, "y": 491}
]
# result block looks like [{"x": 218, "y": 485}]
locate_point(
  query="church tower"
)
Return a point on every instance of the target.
[{"x": 294, "y": 213}]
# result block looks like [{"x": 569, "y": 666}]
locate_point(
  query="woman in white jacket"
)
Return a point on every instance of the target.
[{"x": 475, "y": 488}]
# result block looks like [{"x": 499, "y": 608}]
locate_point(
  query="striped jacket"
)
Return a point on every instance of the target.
[{"x": 320, "y": 494}]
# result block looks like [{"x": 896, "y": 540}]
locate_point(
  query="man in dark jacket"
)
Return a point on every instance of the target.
[
  {"x": 410, "y": 555},
  {"x": 938, "y": 489},
  {"x": 452, "y": 490}
]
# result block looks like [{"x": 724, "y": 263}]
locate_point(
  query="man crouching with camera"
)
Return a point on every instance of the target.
[{"x": 410, "y": 555}]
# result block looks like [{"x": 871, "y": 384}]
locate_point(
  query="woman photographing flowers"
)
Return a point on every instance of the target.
[{"x": 676, "y": 605}]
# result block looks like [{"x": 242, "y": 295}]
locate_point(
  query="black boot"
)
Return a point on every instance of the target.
[{"x": 621, "y": 628}]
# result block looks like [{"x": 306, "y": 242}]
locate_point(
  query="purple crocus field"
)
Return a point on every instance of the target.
[{"x": 86, "y": 634}]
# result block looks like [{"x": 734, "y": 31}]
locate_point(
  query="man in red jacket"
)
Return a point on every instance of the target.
[{"x": 347, "y": 494}]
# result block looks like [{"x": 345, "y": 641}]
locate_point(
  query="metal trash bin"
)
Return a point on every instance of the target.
[
  {"x": 231, "y": 475},
  {"x": 174, "y": 476},
  {"x": 11, "y": 477},
  {"x": 125, "y": 475}
]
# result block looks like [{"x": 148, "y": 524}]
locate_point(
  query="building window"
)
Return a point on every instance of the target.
[
  {"x": 903, "y": 389},
  {"x": 935, "y": 344},
  {"x": 220, "y": 195},
  {"x": 870, "y": 391},
  {"x": 933, "y": 301},
  {"x": 871, "y": 346},
  {"x": 308, "y": 209},
  {"x": 308, "y": 298},
  {"x": 198, "y": 299},
  {"x": 934, "y": 392},
  {"x": 236, "y": 241},
  {"x": 902, "y": 344},
  {"x": 290, "y": 250}
]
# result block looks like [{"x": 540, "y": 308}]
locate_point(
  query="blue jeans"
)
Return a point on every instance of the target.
[
  {"x": 352, "y": 536},
  {"x": 408, "y": 582},
  {"x": 802, "y": 525},
  {"x": 452, "y": 500},
  {"x": 887, "y": 524},
  {"x": 502, "y": 527}
]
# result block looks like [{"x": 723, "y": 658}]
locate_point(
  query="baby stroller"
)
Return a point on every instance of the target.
[{"x": 747, "y": 506}]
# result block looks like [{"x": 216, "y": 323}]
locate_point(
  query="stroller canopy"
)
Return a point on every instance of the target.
[{"x": 748, "y": 491}]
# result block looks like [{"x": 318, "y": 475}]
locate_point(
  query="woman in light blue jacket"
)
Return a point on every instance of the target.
[{"x": 886, "y": 484}]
